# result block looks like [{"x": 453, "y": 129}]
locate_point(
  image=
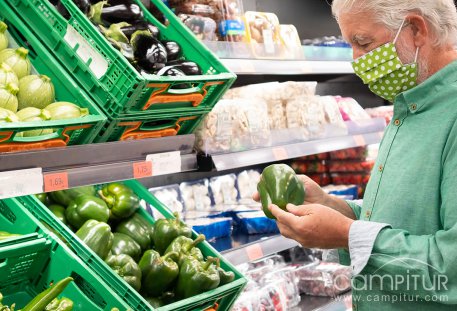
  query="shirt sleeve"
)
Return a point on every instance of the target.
[
  {"x": 362, "y": 236},
  {"x": 356, "y": 206}
]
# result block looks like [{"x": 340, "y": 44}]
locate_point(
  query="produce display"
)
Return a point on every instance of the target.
[
  {"x": 125, "y": 27},
  {"x": 158, "y": 260},
  {"x": 279, "y": 185},
  {"x": 46, "y": 300},
  {"x": 27, "y": 97}
]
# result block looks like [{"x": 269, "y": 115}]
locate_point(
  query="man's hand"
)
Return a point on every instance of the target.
[{"x": 313, "y": 225}]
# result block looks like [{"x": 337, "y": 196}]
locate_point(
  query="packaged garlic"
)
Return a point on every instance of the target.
[
  {"x": 169, "y": 196},
  {"x": 247, "y": 185},
  {"x": 223, "y": 189},
  {"x": 195, "y": 195}
]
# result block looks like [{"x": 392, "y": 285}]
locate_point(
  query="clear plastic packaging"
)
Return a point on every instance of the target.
[
  {"x": 212, "y": 228},
  {"x": 356, "y": 153},
  {"x": 263, "y": 34},
  {"x": 256, "y": 223},
  {"x": 335, "y": 125},
  {"x": 195, "y": 195},
  {"x": 224, "y": 192},
  {"x": 291, "y": 41},
  {"x": 231, "y": 25},
  {"x": 343, "y": 166},
  {"x": 274, "y": 260},
  {"x": 351, "y": 110},
  {"x": 204, "y": 28},
  {"x": 309, "y": 167},
  {"x": 170, "y": 196},
  {"x": 247, "y": 185},
  {"x": 386, "y": 112},
  {"x": 286, "y": 279},
  {"x": 324, "y": 279}
]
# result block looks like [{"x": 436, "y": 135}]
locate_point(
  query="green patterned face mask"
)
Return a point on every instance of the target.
[{"x": 384, "y": 72}]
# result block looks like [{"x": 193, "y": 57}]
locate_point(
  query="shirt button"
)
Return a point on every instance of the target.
[
  {"x": 368, "y": 214},
  {"x": 380, "y": 168},
  {"x": 413, "y": 107},
  {"x": 397, "y": 122}
]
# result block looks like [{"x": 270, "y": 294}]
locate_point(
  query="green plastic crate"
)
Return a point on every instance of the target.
[
  {"x": 149, "y": 127},
  {"x": 224, "y": 295},
  {"x": 29, "y": 266},
  {"x": 112, "y": 81},
  {"x": 67, "y": 132}
]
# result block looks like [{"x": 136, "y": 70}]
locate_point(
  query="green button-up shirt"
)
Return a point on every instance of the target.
[{"x": 413, "y": 189}]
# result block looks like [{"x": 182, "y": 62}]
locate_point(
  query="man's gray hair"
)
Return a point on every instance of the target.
[{"x": 440, "y": 14}]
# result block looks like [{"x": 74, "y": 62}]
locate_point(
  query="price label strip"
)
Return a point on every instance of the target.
[
  {"x": 254, "y": 252},
  {"x": 165, "y": 163},
  {"x": 142, "y": 169},
  {"x": 20, "y": 182},
  {"x": 55, "y": 181},
  {"x": 280, "y": 153}
]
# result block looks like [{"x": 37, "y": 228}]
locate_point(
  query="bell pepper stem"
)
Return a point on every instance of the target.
[
  {"x": 108, "y": 200},
  {"x": 208, "y": 263},
  {"x": 174, "y": 256},
  {"x": 200, "y": 238}
]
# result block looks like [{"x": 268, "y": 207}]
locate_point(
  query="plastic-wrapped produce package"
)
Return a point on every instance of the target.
[
  {"x": 195, "y": 195},
  {"x": 247, "y": 186},
  {"x": 170, "y": 196},
  {"x": 225, "y": 194}
]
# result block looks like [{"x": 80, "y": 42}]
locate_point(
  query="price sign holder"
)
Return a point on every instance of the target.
[{"x": 20, "y": 182}]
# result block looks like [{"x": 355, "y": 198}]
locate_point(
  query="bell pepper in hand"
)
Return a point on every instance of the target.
[
  {"x": 186, "y": 247},
  {"x": 86, "y": 207},
  {"x": 64, "y": 197},
  {"x": 59, "y": 212},
  {"x": 47, "y": 296},
  {"x": 123, "y": 244},
  {"x": 196, "y": 277},
  {"x": 63, "y": 304},
  {"x": 138, "y": 229},
  {"x": 97, "y": 236},
  {"x": 166, "y": 230},
  {"x": 158, "y": 272},
  {"x": 280, "y": 185},
  {"x": 121, "y": 200},
  {"x": 126, "y": 268}
]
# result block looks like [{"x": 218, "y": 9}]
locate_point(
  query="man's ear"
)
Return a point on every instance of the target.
[{"x": 420, "y": 29}]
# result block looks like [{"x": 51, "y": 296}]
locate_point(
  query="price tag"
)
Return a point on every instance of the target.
[
  {"x": 359, "y": 140},
  {"x": 142, "y": 169},
  {"x": 165, "y": 163},
  {"x": 20, "y": 182},
  {"x": 55, "y": 181},
  {"x": 254, "y": 252},
  {"x": 280, "y": 153}
]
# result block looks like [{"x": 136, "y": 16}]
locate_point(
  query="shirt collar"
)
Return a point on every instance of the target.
[{"x": 423, "y": 94}]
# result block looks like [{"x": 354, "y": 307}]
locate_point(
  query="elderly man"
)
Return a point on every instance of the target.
[{"x": 402, "y": 242}]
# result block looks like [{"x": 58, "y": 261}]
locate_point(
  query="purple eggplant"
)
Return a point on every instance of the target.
[
  {"x": 188, "y": 67},
  {"x": 140, "y": 25},
  {"x": 171, "y": 71},
  {"x": 102, "y": 13},
  {"x": 173, "y": 50},
  {"x": 150, "y": 54}
]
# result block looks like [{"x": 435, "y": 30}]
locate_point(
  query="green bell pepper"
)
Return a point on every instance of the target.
[
  {"x": 165, "y": 299},
  {"x": 86, "y": 207},
  {"x": 123, "y": 244},
  {"x": 6, "y": 235},
  {"x": 196, "y": 277},
  {"x": 97, "y": 236},
  {"x": 59, "y": 212},
  {"x": 63, "y": 304},
  {"x": 280, "y": 185},
  {"x": 121, "y": 200},
  {"x": 158, "y": 273},
  {"x": 126, "y": 268},
  {"x": 166, "y": 230},
  {"x": 186, "y": 247},
  {"x": 40, "y": 302},
  {"x": 43, "y": 197},
  {"x": 64, "y": 197},
  {"x": 225, "y": 276},
  {"x": 138, "y": 229}
]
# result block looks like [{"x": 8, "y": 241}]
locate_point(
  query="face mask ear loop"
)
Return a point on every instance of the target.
[
  {"x": 417, "y": 54},
  {"x": 399, "y": 30}
]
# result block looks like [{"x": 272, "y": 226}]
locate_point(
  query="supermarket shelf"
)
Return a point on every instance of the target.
[
  {"x": 258, "y": 249},
  {"x": 96, "y": 163},
  {"x": 279, "y": 153},
  {"x": 287, "y": 67}
]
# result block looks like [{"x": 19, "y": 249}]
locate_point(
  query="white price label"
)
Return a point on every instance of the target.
[
  {"x": 165, "y": 163},
  {"x": 20, "y": 182},
  {"x": 98, "y": 65}
]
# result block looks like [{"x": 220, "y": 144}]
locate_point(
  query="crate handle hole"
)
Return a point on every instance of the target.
[{"x": 3, "y": 262}]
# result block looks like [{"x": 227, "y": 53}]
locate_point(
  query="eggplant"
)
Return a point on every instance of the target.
[
  {"x": 149, "y": 53},
  {"x": 102, "y": 13},
  {"x": 171, "y": 71},
  {"x": 141, "y": 25},
  {"x": 173, "y": 50},
  {"x": 117, "y": 2},
  {"x": 54, "y": 2},
  {"x": 188, "y": 67}
]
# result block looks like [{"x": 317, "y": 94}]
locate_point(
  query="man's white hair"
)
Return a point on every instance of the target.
[{"x": 440, "y": 14}]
